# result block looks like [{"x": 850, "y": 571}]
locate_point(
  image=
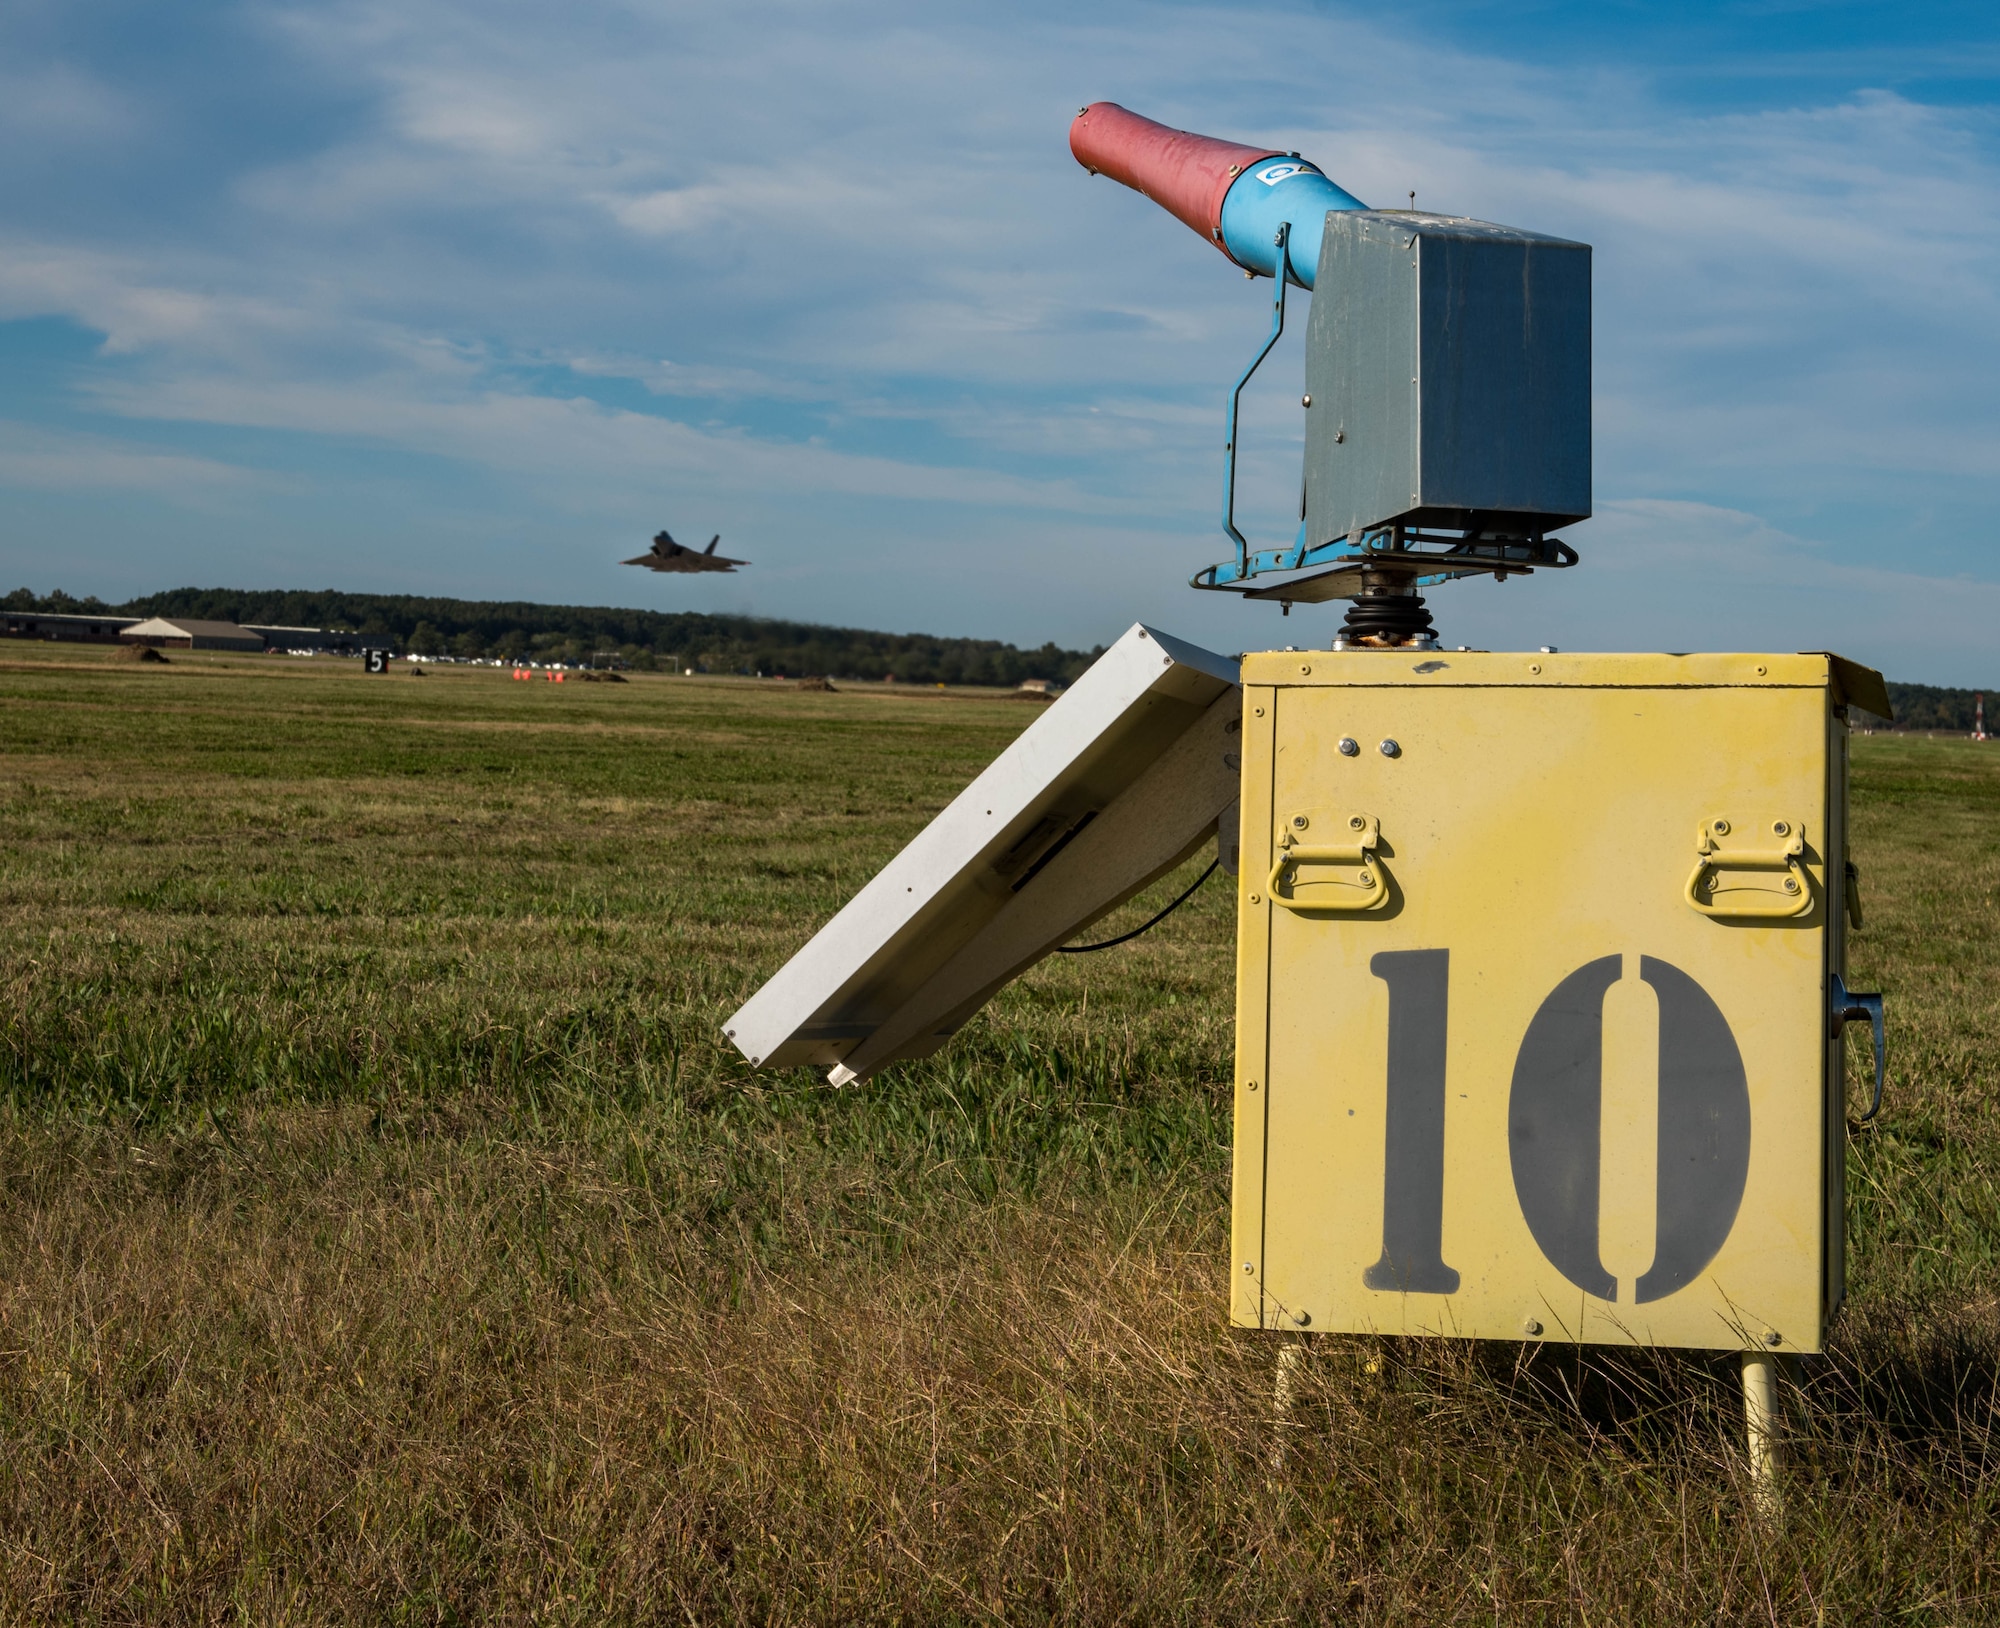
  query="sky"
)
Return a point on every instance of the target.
[{"x": 444, "y": 298}]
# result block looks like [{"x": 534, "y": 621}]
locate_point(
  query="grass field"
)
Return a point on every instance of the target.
[{"x": 387, "y": 1238}]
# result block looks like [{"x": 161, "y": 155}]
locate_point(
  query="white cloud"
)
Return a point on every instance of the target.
[
  {"x": 49, "y": 460},
  {"x": 844, "y": 251},
  {"x": 1662, "y": 575}
]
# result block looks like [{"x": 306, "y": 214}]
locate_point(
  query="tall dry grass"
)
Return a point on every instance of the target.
[{"x": 383, "y": 1237}]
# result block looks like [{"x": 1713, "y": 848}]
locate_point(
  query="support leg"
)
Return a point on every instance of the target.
[
  {"x": 1760, "y": 1422},
  {"x": 1284, "y": 1386}
]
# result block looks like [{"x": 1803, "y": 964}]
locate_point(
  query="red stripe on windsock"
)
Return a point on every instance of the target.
[{"x": 1185, "y": 174}]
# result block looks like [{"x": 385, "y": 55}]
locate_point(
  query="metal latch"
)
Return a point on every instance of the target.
[
  {"x": 1844, "y": 1007},
  {"x": 1726, "y": 879},
  {"x": 1356, "y": 881}
]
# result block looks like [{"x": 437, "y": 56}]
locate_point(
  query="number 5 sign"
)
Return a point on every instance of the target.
[{"x": 1532, "y": 1025}]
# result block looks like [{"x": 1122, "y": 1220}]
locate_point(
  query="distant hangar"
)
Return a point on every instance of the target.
[
  {"x": 174, "y": 633},
  {"x": 187, "y": 633}
]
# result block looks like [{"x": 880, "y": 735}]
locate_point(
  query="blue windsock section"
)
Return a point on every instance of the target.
[{"x": 1266, "y": 196}]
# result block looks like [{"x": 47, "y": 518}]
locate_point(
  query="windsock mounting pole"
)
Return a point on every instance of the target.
[{"x": 1236, "y": 395}]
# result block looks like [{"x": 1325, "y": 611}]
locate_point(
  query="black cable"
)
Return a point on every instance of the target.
[{"x": 1126, "y": 938}]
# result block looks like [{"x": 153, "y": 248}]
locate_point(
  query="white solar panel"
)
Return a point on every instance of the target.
[{"x": 1115, "y": 784}]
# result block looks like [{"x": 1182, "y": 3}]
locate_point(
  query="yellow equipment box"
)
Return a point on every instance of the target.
[{"x": 1535, "y": 962}]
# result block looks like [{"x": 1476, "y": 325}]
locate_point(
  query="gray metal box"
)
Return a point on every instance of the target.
[{"x": 1448, "y": 370}]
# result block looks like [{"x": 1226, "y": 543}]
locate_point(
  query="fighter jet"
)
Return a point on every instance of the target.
[{"x": 668, "y": 555}]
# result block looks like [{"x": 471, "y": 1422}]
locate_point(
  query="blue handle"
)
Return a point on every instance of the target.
[{"x": 1851, "y": 1007}]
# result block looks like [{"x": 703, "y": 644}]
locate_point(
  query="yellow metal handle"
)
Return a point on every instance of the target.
[
  {"x": 1366, "y": 892},
  {"x": 1759, "y": 903}
]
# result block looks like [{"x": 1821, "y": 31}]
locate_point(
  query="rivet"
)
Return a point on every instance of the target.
[
  {"x": 1531, "y": 1325},
  {"x": 1300, "y": 822},
  {"x": 1780, "y": 829},
  {"x": 1349, "y": 746},
  {"x": 1534, "y": 667},
  {"x": 1791, "y": 884},
  {"x": 1254, "y": 899},
  {"x": 1304, "y": 669},
  {"x": 1721, "y": 828},
  {"x": 1248, "y": 1267},
  {"x": 1258, "y": 710},
  {"x": 1302, "y": 1318},
  {"x": 1355, "y": 822},
  {"x": 1249, "y": 1085},
  {"x": 1760, "y": 669},
  {"x": 1390, "y": 749},
  {"x": 1774, "y": 1338}
]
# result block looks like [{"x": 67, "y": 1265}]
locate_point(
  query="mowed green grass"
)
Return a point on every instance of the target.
[{"x": 388, "y": 1237}]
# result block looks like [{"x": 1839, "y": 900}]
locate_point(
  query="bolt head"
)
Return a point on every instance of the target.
[
  {"x": 1356, "y": 822},
  {"x": 1720, "y": 828},
  {"x": 1780, "y": 829},
  {"x": 1302, "y": 1318},
  {"x": 1300, "y": 822},
  {"x": 1349, "y": 746},
  {"x": 1531, "y": 1325},
  {"x": 1390, "y": 749},
  {"x": 1774, "y": 1338}
]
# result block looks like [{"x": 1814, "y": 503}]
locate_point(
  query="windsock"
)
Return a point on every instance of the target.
[{"x": 1235, "y": 196}]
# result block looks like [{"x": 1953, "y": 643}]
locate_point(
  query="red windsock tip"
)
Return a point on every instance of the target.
[{"x": 1185, "y": 174}]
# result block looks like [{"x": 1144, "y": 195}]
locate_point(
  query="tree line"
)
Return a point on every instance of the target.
[
  {"x": 1925, "y": 706},
  {"x": 718, "y": 644},
  {"x": 644, "y": 639}
]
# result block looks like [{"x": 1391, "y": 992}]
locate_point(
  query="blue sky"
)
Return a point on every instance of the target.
[{"x": 445, "y": 298}]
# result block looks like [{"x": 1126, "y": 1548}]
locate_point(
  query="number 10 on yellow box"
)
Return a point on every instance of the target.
[{"x": 1535, "y": 955}]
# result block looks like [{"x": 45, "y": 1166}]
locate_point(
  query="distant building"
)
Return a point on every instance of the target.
[
  {"x": 338, "y": 640},
  {"x": 1039, "y": 686},
  {"x": 187, "y": 633},
  {"x": 74, "y": 629}
]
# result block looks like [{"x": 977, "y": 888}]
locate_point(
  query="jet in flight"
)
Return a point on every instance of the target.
[{"x": 668, "y": 555}]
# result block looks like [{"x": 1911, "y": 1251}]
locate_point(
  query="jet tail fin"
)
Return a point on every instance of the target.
[{"x": 712, "y": 542}]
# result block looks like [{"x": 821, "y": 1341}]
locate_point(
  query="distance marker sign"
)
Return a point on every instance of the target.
[{"x": 1534, "y": 959}]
